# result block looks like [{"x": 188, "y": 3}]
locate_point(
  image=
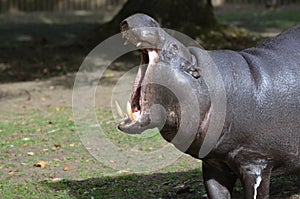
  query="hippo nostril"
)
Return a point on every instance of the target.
[
  {"x": 124, "y": 26},
  {"x": 153, "y": 23}
]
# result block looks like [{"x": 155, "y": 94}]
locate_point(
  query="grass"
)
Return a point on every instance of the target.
[
  {"x": 49, "y": 135},
  {"x": 29, "y": 189}
]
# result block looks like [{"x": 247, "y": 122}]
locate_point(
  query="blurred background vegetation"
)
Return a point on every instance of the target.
[{"x": 43, "y": 38}]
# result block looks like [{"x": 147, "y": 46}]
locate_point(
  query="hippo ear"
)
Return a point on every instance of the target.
[{"x": 192, "y": 68}]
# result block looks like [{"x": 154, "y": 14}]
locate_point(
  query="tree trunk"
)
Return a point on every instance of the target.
[{"x": 185, "y": 16}]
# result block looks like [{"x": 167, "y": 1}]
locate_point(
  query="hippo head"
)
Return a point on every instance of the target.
[{"x": 164, "y": 62}]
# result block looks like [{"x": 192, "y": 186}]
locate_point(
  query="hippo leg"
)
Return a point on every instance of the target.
[
  {"x": 256, "y": 182},
  {"x": 219, "y": 181}
]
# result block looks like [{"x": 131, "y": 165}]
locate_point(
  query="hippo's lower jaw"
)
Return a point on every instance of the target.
[
  {"x": 134, "y": 126},
  {"x": 140, "y": 124}
]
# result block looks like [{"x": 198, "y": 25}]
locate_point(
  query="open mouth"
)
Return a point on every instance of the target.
[
  {"x": 149, "y": 58},
  {"x": 137, "y": 116}
]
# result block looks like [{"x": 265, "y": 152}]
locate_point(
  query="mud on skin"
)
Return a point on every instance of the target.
[{"x": 261, "y": 133}]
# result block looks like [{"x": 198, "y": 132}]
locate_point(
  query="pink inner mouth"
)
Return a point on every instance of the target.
[{"x": 149, "y": 57}]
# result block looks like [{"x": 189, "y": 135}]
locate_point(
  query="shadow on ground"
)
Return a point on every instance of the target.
[
  {"x": 180, "y": 185},
  {"x": 158, "y": 185},
  {"x": 38, "y": 51}
]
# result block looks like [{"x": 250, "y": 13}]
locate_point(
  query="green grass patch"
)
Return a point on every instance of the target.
[
  {"x": 52, "y": 136},
  {"x": 29, "y": 189}
]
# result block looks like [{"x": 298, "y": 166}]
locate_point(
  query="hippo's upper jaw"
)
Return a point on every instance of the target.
[
  {"x": 133, "y": 29},
  {"x": 142, "y": 31}
]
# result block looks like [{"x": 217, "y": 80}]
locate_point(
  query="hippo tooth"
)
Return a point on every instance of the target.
[
  {"x": 153, "y": 57},
  {"x": 126, "y": 42},
  {"x": 119, "y": 110},
  {"x": 129, "y": 111},
  {"x": 137, "y": 114},
  {"x": 138, "y": 44}
]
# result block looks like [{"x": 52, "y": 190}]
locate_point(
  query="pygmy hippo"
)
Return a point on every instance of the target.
[{"x": 260, "y": 135}]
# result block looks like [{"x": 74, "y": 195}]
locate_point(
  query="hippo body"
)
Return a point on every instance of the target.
[
  {"x": 261, "y": 132},
  {"x": 262, "y": 129}
]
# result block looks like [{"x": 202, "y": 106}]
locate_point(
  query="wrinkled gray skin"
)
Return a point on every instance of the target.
[{"x": 262, "y": 127}]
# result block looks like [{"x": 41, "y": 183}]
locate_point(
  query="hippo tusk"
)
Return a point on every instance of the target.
[
  {"x": 119, "y": 110},
  {"x": 138, "y": 44},
  {"x": 129, "y": 112}
]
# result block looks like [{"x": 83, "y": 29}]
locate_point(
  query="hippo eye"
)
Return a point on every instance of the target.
[
  {"x": 191, "y": 68},
  {"x": 153, "y": 23},
  {"x": 193, "y": 72}
]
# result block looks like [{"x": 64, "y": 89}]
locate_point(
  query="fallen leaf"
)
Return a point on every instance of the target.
[
  {"x": 234, "y": 35},
  {"x": 52, "y": 131},
  {"x": 166, "y": 188},
  {"x": 112, "y": 161},
  {"x": 109, "y": 74},
  {"x": 1, "y": 167},
  {"x": 67, "y": 169},
  {"x": 41, "y": 164},
  {"x": 71, "y": 145},
  {"x": 26, "y": 139},
  {"x": 11, "y": 172},
  {"x": 45, "y": 150},
  {"x": 71, "y": 119},
  {"x": 43, "y": 181},
  {"x": 24, "y": 145},
  {"x": 57, "y": 146},
  {"x": 30, "y": 153},
  {"x": 123, "y": 171},
  {"x": 42, "y": 98},
  {"x": 56, "y": 179},
  {"x": 151, "y": 148},
  {"x": 179, "y": 186},
  {"x": 57, "y": 109}
]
